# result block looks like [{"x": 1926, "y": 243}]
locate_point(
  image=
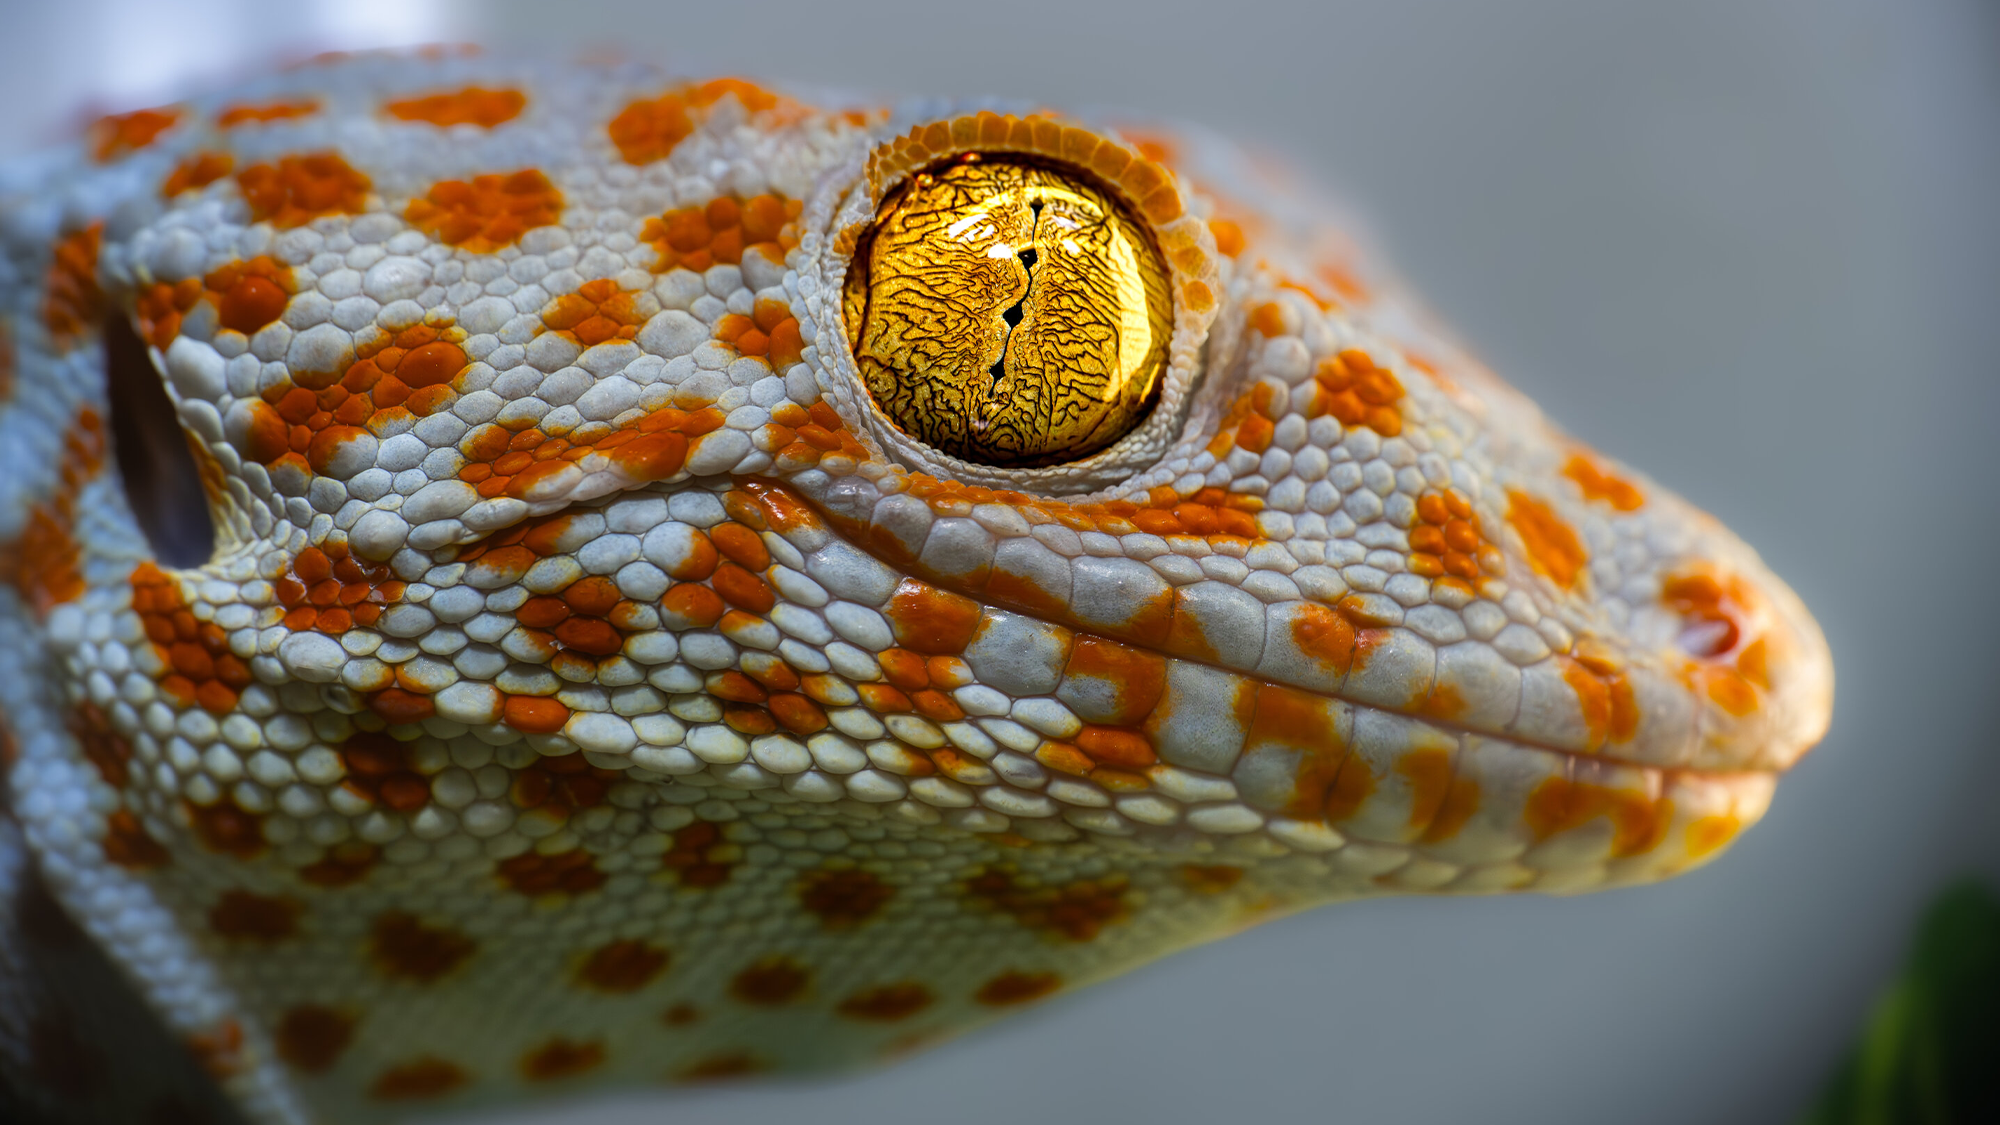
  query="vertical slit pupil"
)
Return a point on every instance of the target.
[
  {"x": 162, "y": 484},
  {"x": 1013, "y": 315}
]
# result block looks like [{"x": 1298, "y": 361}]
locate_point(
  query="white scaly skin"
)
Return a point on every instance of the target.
[{"x": 982, "y": 747}]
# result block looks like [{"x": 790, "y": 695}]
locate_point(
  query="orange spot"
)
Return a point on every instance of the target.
[
  {"x": 1461, "y": 800},
  {"x": 571, "y": 872},
  {"x": 597, "y": 312},
  {"x": 474, "y": 105},
  {"x": 403, "y": 947},
  {"x": 930, "y": 620},
  {"x": 561, "y": 1058},
  {"x": 843, "y": 899},
  {"x": 1075, "y": 911},
  {"x": 723, "y": 1065},
  {"x": 1710, "y": 833},
  {"x": 378, "y": 767},
  {"x": 626, "y": 965},
  {"x": 1299, "y": 720},
  {"x": 312, "y": 1038},
  {"x": 72, "y": 304},
  {"x": 226, "y": 828},
  {"x": 488, "y": 213},
  {"x": 1012, "y": 988},
  {"x": 1429, "y": 774},
  {"x": 1210, "y": 879},
  {"x": 1268, "y": 319},
  {"x": 1357, "y": 392},
  {"x": 1139, "y": 676},
  {"x": 1325, "y": 635},
  {"x": 534, "y": 714},
  {"x": 298, "y": 189},
  {"x": 697, "y": 856},
  {"x": 1228, "y": 234},
  {"x": 127, "y": 844},
  {"x": 260, "y": 114},
  {"x": 647, "y": 130},
  {"x": 1558, "y": 804},
  {"x": 887, "y": 1004},
  {"x": 1553, "y": 548},
  {"x": 246, "y": 916},
  {"x": 425, "y": 1078},
  {"x": 343, "y": 865},
  {"x": 771, "y": 981},
  {"x": 45, "y": 562},
  {"x": 123, "y": 133},
  {"x": 1597, "y": 484},
  {"x": 197, "y": 170},
  {"x": 1610, "y": 710}
]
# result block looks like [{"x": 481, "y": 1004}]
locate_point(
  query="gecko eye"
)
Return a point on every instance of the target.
[{"x": 1009, "y": 311}]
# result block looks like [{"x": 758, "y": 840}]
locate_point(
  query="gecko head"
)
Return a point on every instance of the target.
[{"x": 1004, "y": 481}]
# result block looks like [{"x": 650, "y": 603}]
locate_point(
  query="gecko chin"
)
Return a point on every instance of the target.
[{"x": 783, "y": 582}]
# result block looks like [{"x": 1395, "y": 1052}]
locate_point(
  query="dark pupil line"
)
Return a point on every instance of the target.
[{"x": 1013, "y": 315}]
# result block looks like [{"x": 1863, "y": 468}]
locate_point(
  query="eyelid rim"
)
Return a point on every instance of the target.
[{"x": 1152, "y": 192}]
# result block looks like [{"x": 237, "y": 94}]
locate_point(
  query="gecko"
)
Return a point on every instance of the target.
[{"x": 522, "y": 578}]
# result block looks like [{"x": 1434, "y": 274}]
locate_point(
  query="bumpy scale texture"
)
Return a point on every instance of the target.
[{"x": 590, "y": 685}]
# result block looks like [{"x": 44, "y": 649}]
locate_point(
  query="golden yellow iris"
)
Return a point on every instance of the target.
[{"x": 1009, "y": 311}]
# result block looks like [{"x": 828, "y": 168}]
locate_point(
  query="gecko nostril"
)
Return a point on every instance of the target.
[{"x": 155, "y": 464}]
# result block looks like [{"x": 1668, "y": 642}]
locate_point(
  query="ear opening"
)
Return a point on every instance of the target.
[{"x": 157, "y": 468}]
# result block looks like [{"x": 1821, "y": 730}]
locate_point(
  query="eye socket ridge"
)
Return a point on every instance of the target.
[{"x": 1009, "y": 310}]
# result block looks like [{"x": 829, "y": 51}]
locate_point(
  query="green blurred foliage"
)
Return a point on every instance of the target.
[{"x": 1930, "y": 1053}]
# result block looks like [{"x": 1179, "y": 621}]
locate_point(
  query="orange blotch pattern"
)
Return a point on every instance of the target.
[
  {"x": 72, "y": 303},
  {"x": 121, "y": 134},
  {"x": 227, "y": 828},
  {"x": 843, "y": 899},
  {"x": 1604, "y": 694},
  {"x": 623, "y": 966},
  {"x": 312, "y": 1037},
  {"x": 653, "y": 447},
  {"x": 197, "y": 170},
  {"x": 699, "y": 858},
  {"x": 1599, "y": 484},
  {"x": 343, "y": 865},
  {"x": 298, "y": 189},
  {"x": 1210, "y": 879},
  {"x": 419, "y": 1080},
  {"x": 328, "y": 590},
  {"x": 1448, "y": 539},
  {"x": 1012, "y": 988},
  {"x": 571, "y": 872},
  {"x": 246, "y": 114},
  {"x": 102, "y": 745},
  {"x": 598, "y": 312},
  {"x": 1553, "y": 548},
  {"x": 888, "y": 1003},
  {"x": 1558, "y": 804},
  {"x": 247, "y": 295},
  {"x": 403, "y": 947},
  {"x": 723, "y": 230},
  {"x": 487, "y": 212},
  {"x": 474, "y": 105},
  {"x": 403, "y": 376},
  {"x": 1075, "y": 911},
  {"x": 45, "y": 562},
  {"x": 561, "y": 1058},
  {"x": 648, "y": 129},
  {"x": 127, "y": 844},
  {"x": 201, "y": 669},
  {"x": 1709, "y": 834},
  {"x": 378, "y": 768},
  {"x": 771, "y": 981},
  {"x": 561, "y": 784},
  {"x": 247, "y": 916}
]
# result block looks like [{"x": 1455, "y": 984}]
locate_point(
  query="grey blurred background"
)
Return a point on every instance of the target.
[{"x": 1751, "y": 246}]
